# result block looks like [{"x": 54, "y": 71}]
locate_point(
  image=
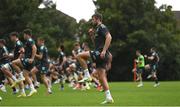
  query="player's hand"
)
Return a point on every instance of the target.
[
  {"x": 145, "y": 56},
  {"x": 103, "y": 54},
  {"x": 91, "y": 31},
  {"x": 31, "y": 61}
]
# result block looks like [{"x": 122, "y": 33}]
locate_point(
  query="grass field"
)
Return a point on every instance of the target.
[{"x": 124, "y": 93}]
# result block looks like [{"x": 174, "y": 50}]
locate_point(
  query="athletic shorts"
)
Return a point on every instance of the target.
[
  {"x": 100, "y": 63},
  {"x": 43, "y": 68},
  {"x": 153, "y": 67},
  {"x": 140, "y": 70},
  {"x": 8, "y": 66},
  {"x": 27, "y": 66}
]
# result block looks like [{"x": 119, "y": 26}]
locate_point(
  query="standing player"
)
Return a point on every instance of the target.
[
  {"x": 140, "y": 67},
  {"x": 154, "y": 60},
  {"x": 27, "y": 63},
  {"x": 100, "y": 55},
  {"x": 43, "y": 65},
  {"x": 62, "y": 65}
]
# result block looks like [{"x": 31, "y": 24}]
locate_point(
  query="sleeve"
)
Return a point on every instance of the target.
[
  {"x": 41, "y": 49},
  {"x": 5, "y": 51},
  {"x": 153, "y": 54},
  {"x": 31, "y": 42},
  {"x": 19, "y": 44},
  {"x": 104, "y": 30}
]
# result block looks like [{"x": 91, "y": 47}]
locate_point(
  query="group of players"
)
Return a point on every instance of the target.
[
  {"x": 152, "y": 66},
  {"x": 20, "y": 67}
]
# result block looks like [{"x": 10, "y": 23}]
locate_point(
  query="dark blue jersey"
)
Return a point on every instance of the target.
[
  {"x": 156, "y": 58},
  {"x": 61, "y": 56},
  {"x": 100, "y": 36},
  {"x": 3, "y": 55},
  {"x": 44, "y": 51},
  {"x": 17, "y": 48},
  {"x": 28, "y": 47}
]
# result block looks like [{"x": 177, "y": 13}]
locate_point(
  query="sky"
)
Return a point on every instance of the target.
[{"x": 84, "y": 9}]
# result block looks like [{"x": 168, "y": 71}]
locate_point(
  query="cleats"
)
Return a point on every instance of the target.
[
  {"x": 32, "y": 92},
  {"x": 85, "y": 79},
  {"x": 156, "y": 85},
  {"x": 140, "y": 85},
  {"x": 108, "y": 101},
  {"x": 22, "y": 95}
]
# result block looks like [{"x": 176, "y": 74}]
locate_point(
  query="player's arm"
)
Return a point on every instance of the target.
[
  {"x": 6, "y": 53},
  {"x": 34, "y": 50},
  {"x": 91, "y": 34},
  {"x": 106, "y": 45},
  {"x": 73, "y": 53},
  {"x": 21, "y": 51},
  {"x": 39, "y": 56},
  {"x": 64, "y": 60},
  {"x": 107, "y": 41}
]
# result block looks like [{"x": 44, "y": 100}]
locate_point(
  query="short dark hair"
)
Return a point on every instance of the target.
[
  {"x": 76, "y": 44},
  {"x": 14, "y": 34},
  {"x": 62, "y": 47},
  {"x": 98, "y": 16},
  {"x": 153, "y": 48},
  {"x": 3, "y": 41},
  {"x": 28, "y": 32},
  {"x": 138, "y": 51},
  {"x": 41, "y": 38}
]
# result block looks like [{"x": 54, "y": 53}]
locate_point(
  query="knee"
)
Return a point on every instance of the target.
[{"x": 79, "y": 56}]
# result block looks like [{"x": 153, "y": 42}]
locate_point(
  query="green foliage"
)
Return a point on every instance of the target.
[
  {"x": 55, "y": 26},
  {"x": 138, "y": 24}
]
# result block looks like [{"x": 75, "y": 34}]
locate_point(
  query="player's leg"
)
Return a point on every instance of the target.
[
  {"x": 2, "y": 78},
  {"x": 7, "y": 70},
  {"x": 33, "y": 74},
  {"x": 17, "y": 65},
  {"x": 109, "y": 62},
  {"x": 46, "y": 83},
  {"x": 139, "y": 74},
  {"x": 103, "y": 79},
  {"x": 154, "y": 75},
  {"x": 43, "y": 68},
  {"x": 22, "y": 90},
  {"x": 29, "y": 81},
  {"x": 82, "y": 58}
]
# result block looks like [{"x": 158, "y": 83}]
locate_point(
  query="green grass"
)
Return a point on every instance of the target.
[{"x": 124, "y": 93}]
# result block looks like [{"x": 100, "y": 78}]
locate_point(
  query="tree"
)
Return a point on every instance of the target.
[{"x": 138, "y": 24}]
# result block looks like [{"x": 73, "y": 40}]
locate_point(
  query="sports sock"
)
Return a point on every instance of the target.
[
  {"x": 108, "y": 94},
  {"x": 32, "y": 87},
  {"x": 14, "y": 78},
  {"x": 86, "y": 73}
]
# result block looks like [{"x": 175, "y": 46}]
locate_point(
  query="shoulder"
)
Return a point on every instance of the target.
[
  {"x": 19, "y": 42},
  {"x": 30, "y": 40},
  {"x": 103, "y": 26}
]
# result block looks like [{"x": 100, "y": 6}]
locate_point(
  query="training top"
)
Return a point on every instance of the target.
[
  {"x": 141, "y": 62},
  {"x": 3, "y": 52},
  {"x": 28, "y": 47},
  {"x": 18, "y": 46},
  {"x": 100, "y": 36},
  {"x": 156, "y": 58},
  {"x": 44, "y": 51},
  {"x": 61, "y": 56}
]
